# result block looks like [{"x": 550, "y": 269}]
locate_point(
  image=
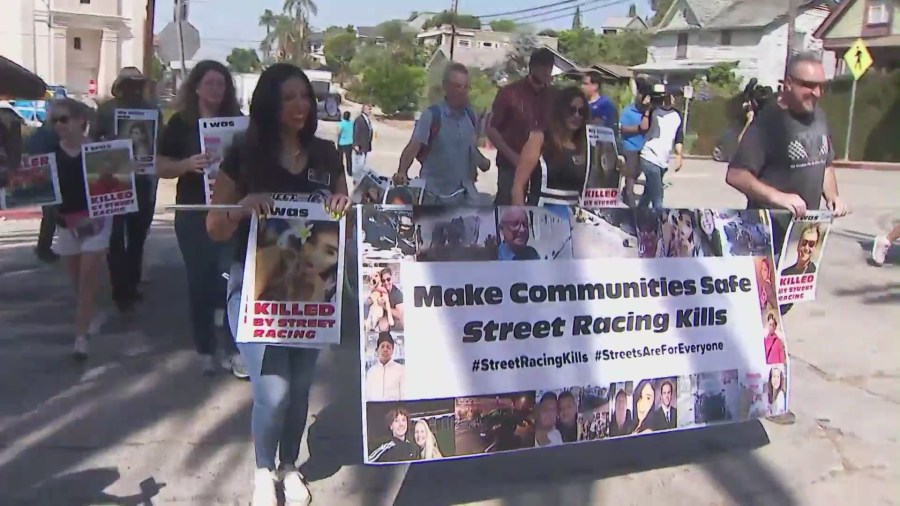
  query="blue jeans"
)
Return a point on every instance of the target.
[
  {"x": 280, "y": 378},
  {"x": 653, "y": 185},
  {"x": 204, "y": 262}
]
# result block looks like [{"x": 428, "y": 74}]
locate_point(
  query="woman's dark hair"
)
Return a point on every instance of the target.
[
  {"x": 772, "y": 319},
  {"x": 635, "y": 397},
  {"x": 75, "y": 108},
  {"x": 261, "y": 144},
  {"x": 781, "y": 387},
  {"x": 187, "y": 102},
  {"x": 331, "y": 276},
  {"x": 558, "y": 133},
  {"x": 346, "y": 115}
]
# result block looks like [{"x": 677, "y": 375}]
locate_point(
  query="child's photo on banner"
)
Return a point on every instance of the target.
[{"x": 34, "y": 183}]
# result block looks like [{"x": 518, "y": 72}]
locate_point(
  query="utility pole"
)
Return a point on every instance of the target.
[
  {"x": 148, "y": 38},
  {"x": 793, "y": 6},
  {"x": 454, "y": 9},
  {"x": 179, "y": 17}
]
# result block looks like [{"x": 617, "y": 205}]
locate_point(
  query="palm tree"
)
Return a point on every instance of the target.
[
  {"x": 301, "y": 10},
  {"x": 267, "y": 20}
]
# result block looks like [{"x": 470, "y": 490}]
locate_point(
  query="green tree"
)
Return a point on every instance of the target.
[
  {"x": 581, "y": 46},
  {"x": 516, "y": 64},
  {"x": 157, "y": 68},
  {"x": 625, "y": 48},
  {"x": 482, "y": 90},
  {"x": 392, "y": 86},
  {"x": 548, "y": 32},
  {"x": 242, "y": 60},
  {"x": 576, "y": 21},
  {"x": 267, "y": 20},
  {"x": 503, "y": 25},
  {"x": 340, "y": 48},
  {"x": 449, "y": 18}
]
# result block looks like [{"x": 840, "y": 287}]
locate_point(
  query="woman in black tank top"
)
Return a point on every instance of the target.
[
  {"x": 560, "y": 153},
  {"x": 278, "y": 154}
]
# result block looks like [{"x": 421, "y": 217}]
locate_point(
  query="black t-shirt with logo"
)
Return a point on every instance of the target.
[
  {"x": 180, "y": 140},
  {"x": 321, "y": 175},
  {"x": 788, "y": 152}
]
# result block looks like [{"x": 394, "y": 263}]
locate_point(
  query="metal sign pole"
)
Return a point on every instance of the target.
[
  {"x": 179, "y": 12},
  {"x": 850, "y": 120}
]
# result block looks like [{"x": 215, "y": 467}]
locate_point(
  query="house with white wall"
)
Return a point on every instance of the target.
[
  {"x": 696, "y": 35},
  {"x": 72, "y": 42}
]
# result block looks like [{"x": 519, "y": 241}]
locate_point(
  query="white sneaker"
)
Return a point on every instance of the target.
[
  {"x": 296, "y": 493},
  {"x": 219, "y": 317},
  {"x": 238, "y": 367},
  {"x": 264, "y": 489},
  {"x": 97, "y": 322},
  {"x": 208, "y": 364},
  {"x": 80, "y": 349},
  {"x": 880, "y": 249}
]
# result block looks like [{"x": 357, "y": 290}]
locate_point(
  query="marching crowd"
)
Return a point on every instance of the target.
[{"x": 783, "y": 162}]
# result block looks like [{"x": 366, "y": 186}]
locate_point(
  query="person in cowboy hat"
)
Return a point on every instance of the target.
[{"x": 126, "y": 256}]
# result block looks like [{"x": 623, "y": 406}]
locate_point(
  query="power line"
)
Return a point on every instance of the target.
[
  {"x": 540, "y": 7},
  {"x": 570, "y": 14},
  {"x": 568, "y": 8}
]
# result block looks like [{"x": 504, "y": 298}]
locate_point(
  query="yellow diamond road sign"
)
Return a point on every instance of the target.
[{"x": 858, "y": 59}]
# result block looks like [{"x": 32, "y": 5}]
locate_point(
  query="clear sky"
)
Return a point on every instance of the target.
[{"x": 225, "y": 24}]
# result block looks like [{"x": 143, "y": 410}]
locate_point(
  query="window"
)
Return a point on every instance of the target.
[
  {"x": 681, "y": 50},
  {"x": 76, "y": 43},
  {"x": 86, "y": 2},
  {"x": 877, "y": 12},
  {"x": 725, "y": 38},
  {"x": 464, "y": 43},
  {"x": 488, "y": 45}
]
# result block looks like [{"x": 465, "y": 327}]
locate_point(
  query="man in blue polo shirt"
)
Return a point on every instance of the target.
[{"x": 632, "y": 143}]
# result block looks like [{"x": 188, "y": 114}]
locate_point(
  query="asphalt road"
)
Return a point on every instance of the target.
[{"x": 139, "y": 425}]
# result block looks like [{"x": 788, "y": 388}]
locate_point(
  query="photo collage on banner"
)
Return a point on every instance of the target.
[
  {"x": 216, "y": 136},
  {"x": 625, "y": 322},
  {"x": 802, "y": 256},
  {"x": 375, "y": 189},
  {"x": 141, "y": 127},
  {"x": 601, "y": 186},
  {"x": 34, "y": 183},
  {"x": 109, "y": 177},
  {"x": 292, "y": 276}
]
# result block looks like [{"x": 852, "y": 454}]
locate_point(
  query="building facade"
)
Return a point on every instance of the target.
[
  {"x": 74, "y": 42},
  {"x": 876, "y": 22}
]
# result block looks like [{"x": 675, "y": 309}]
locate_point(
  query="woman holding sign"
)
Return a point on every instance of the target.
[
  {"x": 280, "y": 153},
  {"x": 208, "y": 92},
  {"x": 560, "y": 152},
  {"x": 82, "y": 240}
]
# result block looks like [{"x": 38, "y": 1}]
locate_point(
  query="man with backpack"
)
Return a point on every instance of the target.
[{"x": 445, "y": 143}]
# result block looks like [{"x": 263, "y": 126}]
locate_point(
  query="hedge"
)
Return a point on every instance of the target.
[{"x": 876, "y": 118}]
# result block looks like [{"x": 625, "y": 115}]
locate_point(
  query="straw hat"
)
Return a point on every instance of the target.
[{"x": 127, "y": 74}]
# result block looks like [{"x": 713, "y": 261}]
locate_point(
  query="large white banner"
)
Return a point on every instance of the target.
[
  {"x": 489, "y": 330},
  {"x": 293, "y": 276}
]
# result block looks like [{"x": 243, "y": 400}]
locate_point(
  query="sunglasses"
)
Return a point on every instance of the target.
[
  {"x": 60, "y": 119},
  {"x": 808, "y": 243},
  {"x": 578, "y": 111},
  {"x": 385, "y": 279}
]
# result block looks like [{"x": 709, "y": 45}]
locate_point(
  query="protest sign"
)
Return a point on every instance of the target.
[
  {"x": 140, "y": 126},
  {"x": 216, "y": 136},
  {"x": 601, "y": 186},
  {"x": 109, "y": 177},
  {"x": 801, "y": 257},
  {"x": 620, "y": 323},
  {"x": 293, "y": 276},
  {"x": 407, "y": 195},
  {"x": 34, "y": 183},
  {"x": 371, "y": 189}
]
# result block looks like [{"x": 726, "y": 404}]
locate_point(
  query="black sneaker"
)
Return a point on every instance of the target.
[{"x": 48, "y": 256}]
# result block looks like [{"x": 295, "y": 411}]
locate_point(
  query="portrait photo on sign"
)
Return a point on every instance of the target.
[
  {"x": 602, "y": 170},
  {"x": 754, "y": 395},
  {"x": 297, "y": 260},
  {"x": 774, "y": 336},
  {"x": 567, "y": 415},
  {"x": 494, "y": 423},
  {"x": 649, "y": 225},
  {"x": 33, "y": 184},
  {"x": 388, "y": 233},
  {"x": 385, "y": 366},
  {"x": 108, "y": 171},
  {"x": 604, "y": 233},
  {"x": 707, "y": 233},
  {"x": 142, "y": 134},
  {"x": 746, "y": 233},
  {"x": 456, "y": 234},
  {"x": 765, "y": 281},
  {"x": 714, "y": 397},
  {"x": 533, "y": 233},
  {"x": 804, "y": 248},
  {"x": 381, "y": 297},
  {"x": 679, "y": 238},
  {"x": 409, "y": 431},
  {"x": 776, "y": 391},
  {"x": 371, "y": 189},
  {"x": 408, "y": 195}
]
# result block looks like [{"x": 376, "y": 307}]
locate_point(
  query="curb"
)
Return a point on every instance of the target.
[
  {"x": 862, "y": 165},
  {"x": 27, "y": 213}
]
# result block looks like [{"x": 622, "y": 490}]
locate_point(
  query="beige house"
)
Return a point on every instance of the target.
[
  {"x": 614, "y": 25},
  {"x": 72, "y": 42},
  {"x": 476, "y": 39},
  {"x": 876, "y": 22}
]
